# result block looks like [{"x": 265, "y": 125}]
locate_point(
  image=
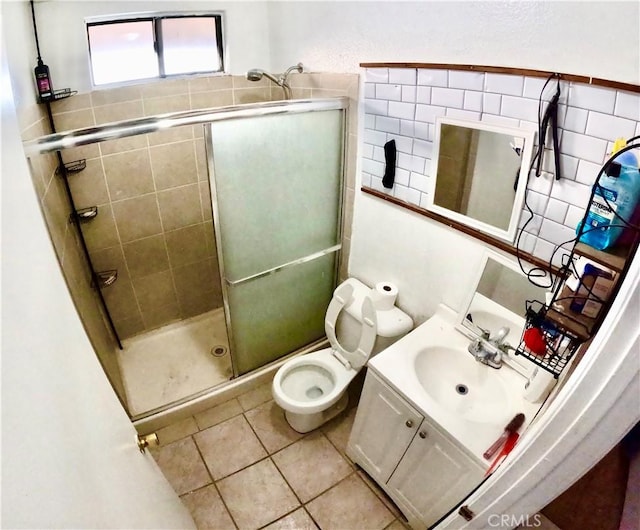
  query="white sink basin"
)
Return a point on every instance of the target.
[
  {"x": 429, "y": 365},
  {"x": 455, "y": 381}
]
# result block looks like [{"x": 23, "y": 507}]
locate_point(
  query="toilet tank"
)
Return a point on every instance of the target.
[{"x": 393, "y": 323}]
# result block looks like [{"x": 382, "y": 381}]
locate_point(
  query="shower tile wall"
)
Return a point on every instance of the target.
[{"x": 154, "y": 223}]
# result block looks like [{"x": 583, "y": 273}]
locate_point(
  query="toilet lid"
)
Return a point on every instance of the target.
[{"x": 341, "y": 297}]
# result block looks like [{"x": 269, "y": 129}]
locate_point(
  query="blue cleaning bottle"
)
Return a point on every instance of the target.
[{"x": 616, "y": 192}]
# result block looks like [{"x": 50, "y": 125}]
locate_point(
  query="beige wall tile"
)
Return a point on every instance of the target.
[
  {"x": 154, "y": 290},
  {"x": 120, "y": 145},
  {"x": 251, "y": 95},
  {"x": 199, "y": 304},
  {"x": 77, "y": 102},
  {"x": 115, "y": 95},
  {"x": 194, "y": 279},
  {"x": 76, "y": 119},
  {"x": 56, "y": 209},
  {"x": 127, "y": 110},
  {"x": 128, "y": 174},
  {"x": 78, "y": 153},
  {"x": 201, "y": 160},
  {"x": 137, "y": 218},
  {"x": 110, "y": 258},
  {"x": 89, "y": 187},
  {"x": 165, "y": 87},
  {"x": 186, "y": 245},
  {"x": 163, "y": 105},
  {"x": 121, "y": 299},
  {"x": 208, "y": 83},
  {"x": 129, "y": 327},
  {"x": 214, "y": 98},
  {"x": 36, "y": 163},
  {"x": 210, "y": 238},
  {"x": 173, "y": 164},
  {"x": 240, "y": 81},
  {"x": 169, "y": 136},
  {"x": 146, "y": 256},
  {"x": 100, "y": 232},
  {"x": 180, "y": 207},
  {"x": 205, "y": 201},
  {"x": 160, "y": 316},
  {"x": 301, "y": 93}
]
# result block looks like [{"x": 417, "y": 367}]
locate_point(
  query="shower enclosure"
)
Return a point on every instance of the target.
[{"x": 263, "y": 244}]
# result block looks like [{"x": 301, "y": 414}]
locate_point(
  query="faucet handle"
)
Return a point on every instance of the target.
[{"x": 500, "y": 335}]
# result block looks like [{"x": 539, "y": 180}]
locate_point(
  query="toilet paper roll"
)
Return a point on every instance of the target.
[
  {"x": 383, "y": 296},
  {"x": 539, "y": 386}
]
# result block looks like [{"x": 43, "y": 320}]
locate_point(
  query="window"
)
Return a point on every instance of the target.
[{"x": 148, "y": 47}]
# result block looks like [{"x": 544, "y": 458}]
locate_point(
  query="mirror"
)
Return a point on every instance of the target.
[
  {"x": 477, "y": 175},
  {"x": 499, "y": 298}
]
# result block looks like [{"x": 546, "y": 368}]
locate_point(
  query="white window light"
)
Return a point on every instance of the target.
[{"x": 154, "y": 46}]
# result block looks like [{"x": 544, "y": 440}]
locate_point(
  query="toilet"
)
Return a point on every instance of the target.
[{"x": 312, "y": 388}]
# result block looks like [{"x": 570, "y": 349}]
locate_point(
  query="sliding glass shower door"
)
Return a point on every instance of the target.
[{"x": 276, "y": 184}]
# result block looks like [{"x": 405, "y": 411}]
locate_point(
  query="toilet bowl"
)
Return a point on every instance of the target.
[{"x": 312, "y": 388}]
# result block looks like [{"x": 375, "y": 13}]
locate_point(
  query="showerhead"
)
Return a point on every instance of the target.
[{"x": 255, "y": 75}]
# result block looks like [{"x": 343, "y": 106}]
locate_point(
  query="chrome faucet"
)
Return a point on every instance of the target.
[{"x": 489, "y": 349}]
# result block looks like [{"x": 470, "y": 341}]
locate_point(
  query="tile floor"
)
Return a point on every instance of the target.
[
  {"x": 240, "y": 465},
  {"x": 174, "y": 361}
]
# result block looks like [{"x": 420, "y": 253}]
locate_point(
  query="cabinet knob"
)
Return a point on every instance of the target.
[
  {"x": 409, "y": 423},
  {"x": 422, "y": 434}
]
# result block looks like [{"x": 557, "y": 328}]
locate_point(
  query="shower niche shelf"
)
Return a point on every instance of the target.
[{"x": 73, "y": 167}]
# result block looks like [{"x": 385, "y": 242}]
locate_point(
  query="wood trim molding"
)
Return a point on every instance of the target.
[
  {"x": 485, "y": 238},
  {"x": 630, "y": 87}
]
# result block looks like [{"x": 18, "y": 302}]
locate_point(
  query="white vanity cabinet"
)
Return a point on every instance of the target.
[{"x": 419, "y": 467}]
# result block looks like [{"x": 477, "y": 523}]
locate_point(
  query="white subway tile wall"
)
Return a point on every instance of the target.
[{"x": 402, "y": 104}]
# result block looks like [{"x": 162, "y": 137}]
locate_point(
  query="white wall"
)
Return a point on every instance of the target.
[{"x": 599, "y": 39}]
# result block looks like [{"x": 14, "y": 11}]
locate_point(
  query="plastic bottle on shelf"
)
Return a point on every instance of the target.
[{"x": 617, "y": 192}]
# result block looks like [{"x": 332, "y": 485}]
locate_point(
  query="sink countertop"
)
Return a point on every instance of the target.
[{"x": 395, "y": 365}]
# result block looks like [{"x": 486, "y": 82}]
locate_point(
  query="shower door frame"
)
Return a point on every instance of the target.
[{"x": 322, "y": 105}]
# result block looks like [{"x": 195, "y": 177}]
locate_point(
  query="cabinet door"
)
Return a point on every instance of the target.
[
  {"x": 382, "y": 430},
  {"x": 434, "y": 475}
]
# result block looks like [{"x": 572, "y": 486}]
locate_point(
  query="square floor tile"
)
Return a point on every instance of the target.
[
  {"x": 177, "y": 430},
  {"x": 270, "y": 425},
  {"x": 229, "y": 446},
  {"x": 207, "y": 509},
  {"x": 338, "y": 429},
  {"x": 350, "y": 504},
  {"x": 257, "y": 495},
  {"x": 298, "y": 520},
  {"x": 181, "y": 464},
  {"x": 311, "y": 466}
]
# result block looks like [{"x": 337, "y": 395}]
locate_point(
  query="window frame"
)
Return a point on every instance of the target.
[{"x": 156, "y": 27}]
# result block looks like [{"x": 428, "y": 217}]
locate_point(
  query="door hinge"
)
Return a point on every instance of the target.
[
  {"x": 147, "y": 440},
  {"x": 466, "y": 513}
]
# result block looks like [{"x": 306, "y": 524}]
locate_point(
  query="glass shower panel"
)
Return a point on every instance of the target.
[{"x": 277, "y": 190}]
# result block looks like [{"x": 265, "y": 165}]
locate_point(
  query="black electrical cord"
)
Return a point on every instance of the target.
[
  {"x": 536, "y": 272},
  {"x": 35, "y": 31}
]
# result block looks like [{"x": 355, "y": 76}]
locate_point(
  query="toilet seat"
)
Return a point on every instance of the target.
[
  {"x": 313, "y": 382},
  {"x": 356, "y": 359}
]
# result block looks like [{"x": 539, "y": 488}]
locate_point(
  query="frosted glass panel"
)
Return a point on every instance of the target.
[
  {"x": 122, "y": 52},
  {"x": 280, "y": 313},
  {"x": 189, "y": 44},
  {"x": 278, "y": 187}
]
